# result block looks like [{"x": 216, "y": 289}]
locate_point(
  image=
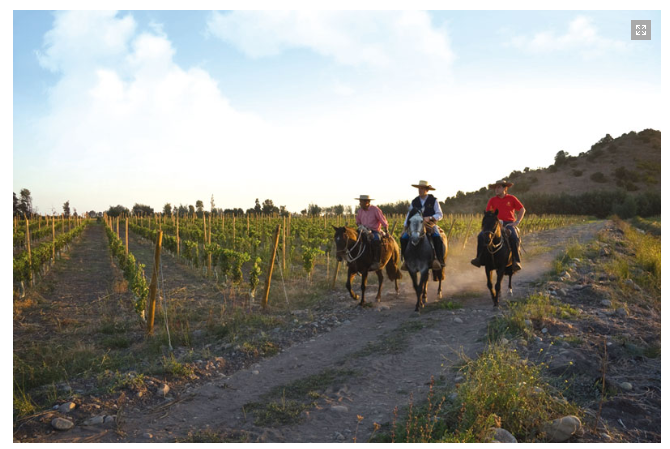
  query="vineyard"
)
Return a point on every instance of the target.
[
  {"x": 235, "y": 251},
  {"x": 87, "y": 293}
]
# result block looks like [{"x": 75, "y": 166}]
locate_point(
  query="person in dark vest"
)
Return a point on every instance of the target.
[
  {"x": 506, "y": 205},
  {"x": 373, "y": 219},
  {"x": 432, "y": 213}
]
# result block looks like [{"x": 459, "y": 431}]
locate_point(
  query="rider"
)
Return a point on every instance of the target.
[
  {"x": 432, "y": 213},
  {"x": 372, "y": 218},
  {"x": 506, "y": 205}
]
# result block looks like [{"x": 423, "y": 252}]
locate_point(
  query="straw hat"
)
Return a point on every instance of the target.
[
  {"x": 501, "y": 182},
  {"x": 364, "y": 198},
  {"x": 424, "y": 184}
]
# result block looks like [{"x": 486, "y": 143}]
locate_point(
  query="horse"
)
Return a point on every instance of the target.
[
  {"x": 353, "y": 247},
  {"x": 419, "y": 258},
  {"x": 497, "y": 254}
]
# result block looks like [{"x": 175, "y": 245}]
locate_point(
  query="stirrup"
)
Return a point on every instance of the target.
[{"x": 437, "y": 265}]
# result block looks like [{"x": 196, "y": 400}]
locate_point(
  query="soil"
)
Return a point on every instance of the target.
[{"x": 375, "y": 359}]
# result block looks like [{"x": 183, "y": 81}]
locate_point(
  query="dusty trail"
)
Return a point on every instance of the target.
[{"x": 408, "y": 349}]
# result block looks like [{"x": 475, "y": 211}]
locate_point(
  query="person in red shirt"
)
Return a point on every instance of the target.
[
  {"x": 507, "y": 205},
  {"x": 372, "y": 218}
]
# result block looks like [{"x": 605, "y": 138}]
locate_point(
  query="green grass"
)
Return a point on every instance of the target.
[
  {"x": 640, "y": 260},
  {"x": 392, "y": 342},
  {"x": 209, "y": 436},
  {"x": 171, "y": 366},
  {"x": 285, "y": 404},
  {"x": 537, "y": 307},
  {"x": 499, "y": 389},
  {"x": 573, "y": 251}
]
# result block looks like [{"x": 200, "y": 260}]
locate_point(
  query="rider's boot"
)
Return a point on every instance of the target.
[
  {"x": 477, "y": 261},
  {"x": 438, "y": 263},
  {"x": 376, "y": 255},
  {"x": 403, "y": 247},
  {"x": 516, "y": 260}
]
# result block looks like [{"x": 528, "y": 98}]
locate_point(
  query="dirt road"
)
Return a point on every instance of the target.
[{"x": 380, "y": 359}]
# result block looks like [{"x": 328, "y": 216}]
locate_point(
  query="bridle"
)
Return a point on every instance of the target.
[
  {"x": 496, "y": 233},
  {"x": 422, "y": 233},
  {"x": 347, "y": 253}
]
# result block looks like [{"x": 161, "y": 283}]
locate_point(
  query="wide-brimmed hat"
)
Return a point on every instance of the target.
[
  {"x": 424, "y": 184},
  {"x": 364, "y": 198},
  {"x": 501, "y": 182}
]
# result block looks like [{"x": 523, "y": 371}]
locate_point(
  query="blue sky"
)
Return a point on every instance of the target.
[{"x": 314, "y": 106}]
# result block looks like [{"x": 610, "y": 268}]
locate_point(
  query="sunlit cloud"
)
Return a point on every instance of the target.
[
  {"x": 381, "y": 40},
  {"x": 581, "y": 36}
]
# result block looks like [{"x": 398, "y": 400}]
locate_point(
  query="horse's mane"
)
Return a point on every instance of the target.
[
  {"x": 490, "y": 218},
  {"x": 413, "y": 212}
]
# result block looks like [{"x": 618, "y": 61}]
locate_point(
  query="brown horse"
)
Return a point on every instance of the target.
[
  {"x": 497, "y": 256},
  {"x": 356, "y": 250}
]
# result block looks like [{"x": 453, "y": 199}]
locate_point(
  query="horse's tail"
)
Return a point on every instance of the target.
[{"x": 392, "y": 269}]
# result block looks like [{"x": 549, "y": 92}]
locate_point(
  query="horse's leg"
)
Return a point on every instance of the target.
[
  {"x": 500, "y": 274},
  {"x": 412, "y": 274},
  {"x": 350, "y": 277},
  {"x": 380, "y": 276},
  {"x": 439, "y": 284},
  {"x": 364, "y": 282},
  {"x": 424, "y": 287},
  {"x": 489, "y": 284},
  {"x": 510, "y": 285}
]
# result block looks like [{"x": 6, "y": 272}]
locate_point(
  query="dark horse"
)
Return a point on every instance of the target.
[
  {"x": 419, "y": 258},
  {"x": 357, "y": 251},
  {"x": 496, "y": 256}
]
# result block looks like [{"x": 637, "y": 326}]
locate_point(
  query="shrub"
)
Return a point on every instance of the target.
[
  {"x": 577, "y": 173},
  {"x": 598, "y": 177}
]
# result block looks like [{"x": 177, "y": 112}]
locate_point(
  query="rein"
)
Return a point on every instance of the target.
[
  {"x": 494, "y": 247},
  {"x": 348, "y": 251}
]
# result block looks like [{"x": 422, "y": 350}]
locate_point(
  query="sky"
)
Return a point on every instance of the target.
[{"x": 308, "y": 106}]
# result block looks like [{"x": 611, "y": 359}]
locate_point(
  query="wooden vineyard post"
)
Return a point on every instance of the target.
[
  {"x": 283, "y": 245},
  {"x": 53, "y": 239},
  {"x": 271, "y": 267},
  {"x": 154, "y": 284},
  {"x": 126, "y": 236},
  {"x": 177, "y": 236},
  {"x": 337, "y": 267},
  {"x": 234, "y": 218},
  {"x": 209, "y": 242},
  {"x": 451, "y": 228},
  {"x": 465, "y": 239},
  {"x": 30, "y": 257}
]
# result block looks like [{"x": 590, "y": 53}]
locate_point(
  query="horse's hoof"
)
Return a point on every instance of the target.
[{"x": 511, "y": 293}]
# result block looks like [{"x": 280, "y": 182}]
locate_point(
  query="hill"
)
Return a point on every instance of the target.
[{"x": 613, "y": 173}]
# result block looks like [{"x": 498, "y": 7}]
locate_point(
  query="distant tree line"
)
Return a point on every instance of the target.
[{"x": 596, "y": 203}]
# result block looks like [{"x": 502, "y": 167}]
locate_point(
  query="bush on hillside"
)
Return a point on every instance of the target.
[{"x": 598, "y": 177}]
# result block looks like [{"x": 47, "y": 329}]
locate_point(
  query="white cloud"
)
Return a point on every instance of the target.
[
  {"x": 581, "y": 36},
  {"x": 123, "y": 108},
  {"x": 384, "y": 40}
]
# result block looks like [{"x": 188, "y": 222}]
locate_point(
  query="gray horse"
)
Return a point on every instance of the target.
[{"x": 419, "y": 258}]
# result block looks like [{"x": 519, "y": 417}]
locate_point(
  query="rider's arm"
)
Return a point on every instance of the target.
[
  {"x": 382, "y": 219},
  {"x": 438, "y": 211},
  {"x": 522, "y": 212}
]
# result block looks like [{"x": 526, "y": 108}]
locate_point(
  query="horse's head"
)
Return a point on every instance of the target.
[
  {"x": 491, "y": 225},
  {"x": 416, "y": 229},
  {"x": 344, "y": 238}
]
